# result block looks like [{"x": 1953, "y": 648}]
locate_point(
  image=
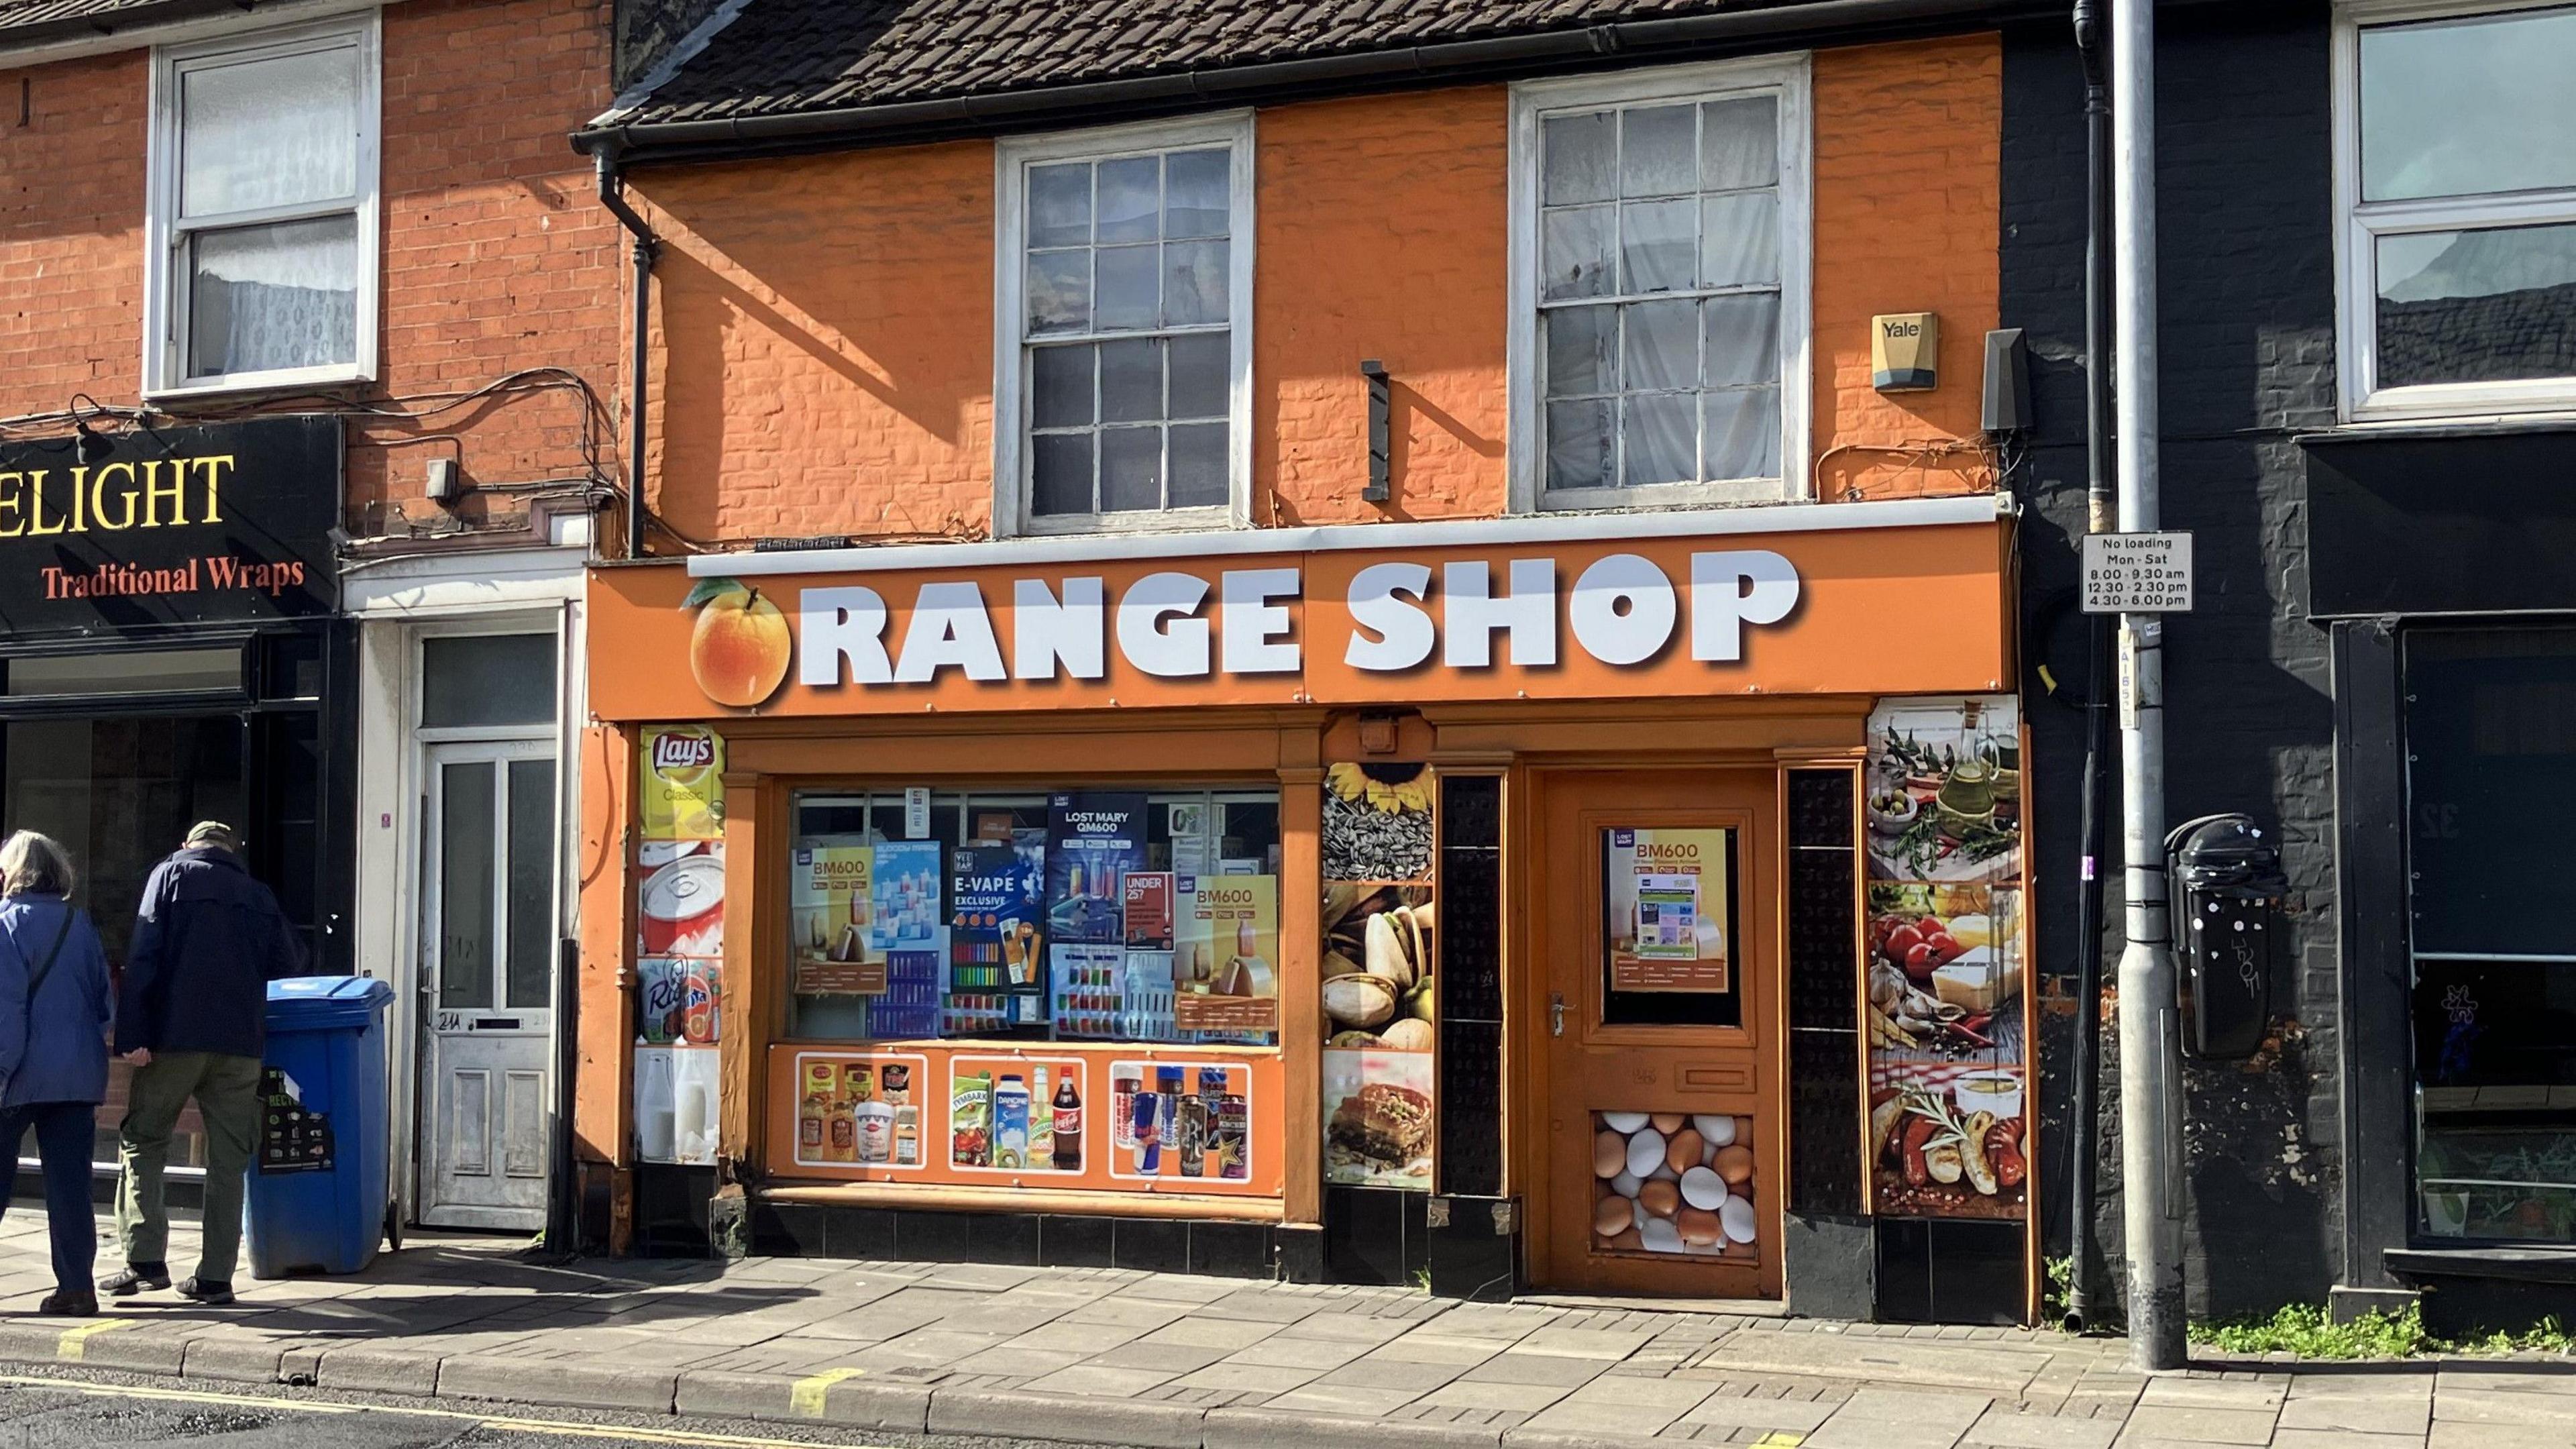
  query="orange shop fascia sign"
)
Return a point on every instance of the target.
[{"x": 1898, "y": 597}]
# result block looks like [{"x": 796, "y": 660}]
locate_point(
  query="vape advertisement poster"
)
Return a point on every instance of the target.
[
  {"x": 995, "y": 902},
  {"x": 683, "y": 784},
  {"x": 1093, "y": 840},
  {"x": 862, "y": 1110},
  {"x": 1947, "y": 1004},
  {"x": 1378, "y": 1124},
  {"x": 1180, "y": 1124},
  {"x": 1664, "y": 893},
  {"x": 1148, "y": 898},
  {"x": 905, "y": 897},
  {"x": 679, "y": 909},
  {"x": 1059, "y": 1116},
  {"x": 1224, "y": 953},
  {"x": 1015, "y": 1114},
  {"x": 830, "y": 906}
]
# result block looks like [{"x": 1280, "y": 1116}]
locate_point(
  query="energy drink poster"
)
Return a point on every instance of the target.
[
  {"x": 1180, "y": 1122},
  {"x": 1224, "y": 953},
  {"x": 683, "y": 794},
  {"x": 1094, "y": 839},
  {"x": 831, "y": 906},
  {"x": 996, "y": 903}
]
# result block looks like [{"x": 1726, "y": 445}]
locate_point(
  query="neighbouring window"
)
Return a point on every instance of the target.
[
  {"x": 2491, "y": 754},
  {"x": 1126, "y": 266},
  {"x": 262, "y": 224},
  {"x": 2458, "y": 188},
  {"x": 1664, "y": 243}
]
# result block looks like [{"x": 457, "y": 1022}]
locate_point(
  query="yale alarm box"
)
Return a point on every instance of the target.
[{"x": 1903, "y": 350}]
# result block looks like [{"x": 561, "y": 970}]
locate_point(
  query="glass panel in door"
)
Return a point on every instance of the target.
[
  {"x": 465, "y": 867},
  {"x": 532, "y": 884}
]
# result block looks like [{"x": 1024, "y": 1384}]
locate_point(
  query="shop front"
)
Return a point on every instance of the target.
[
  {"x": 1613, "y": 903},
  {"x": 172, "y": 654}
]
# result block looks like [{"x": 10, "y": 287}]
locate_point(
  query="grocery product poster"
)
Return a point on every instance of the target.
[
  {"x": 1093, "y": 840},
  {"x": 862, "y": 1110},
  {"x": 830, "y": 908},
  {"x": 1943, "y": 983},
  {"x": 683, "y": 785},
  {"x": 1092, "y": 1119},
  {"x": 1669, "y": 1182},
  {"x": 1225, "y": 950},
  {"x": 1379, "y": 1068},
  {"x": 677, "y": 1000},
  {"x": 1666, "y": 911},
  {"x": 1017, "y": 1114}
]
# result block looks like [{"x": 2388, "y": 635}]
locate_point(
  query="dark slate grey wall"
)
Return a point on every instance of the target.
[{"x": 2245, "y": 256}]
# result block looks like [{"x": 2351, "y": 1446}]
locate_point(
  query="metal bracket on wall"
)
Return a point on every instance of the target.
[{"x": 1378, "y": 407}]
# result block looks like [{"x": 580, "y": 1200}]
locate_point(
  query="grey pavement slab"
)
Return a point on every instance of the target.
[
  {"x": 1270, "y": 1428},
  {"x": 1641, "y": 1408},
  {"x": 2397, "y": 1413},
  {"x": 1006, "y": 1414},
  {"x": 2003, "y": 1428},
  {"x": 2200, "y": 1425}
]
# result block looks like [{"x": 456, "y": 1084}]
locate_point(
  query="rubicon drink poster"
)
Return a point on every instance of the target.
[
  {"x": 1093, "y": 841},
  {"x": 683, "y": 794}
]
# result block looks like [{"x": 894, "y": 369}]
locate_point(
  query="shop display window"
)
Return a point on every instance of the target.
[
  {"x": 1146, "y": 916},
  {"x": 2491, "y": 746}
]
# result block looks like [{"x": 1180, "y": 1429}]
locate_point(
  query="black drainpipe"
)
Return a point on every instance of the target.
[
  {"x": 2091, "y": 36},
  {"x": 612, "y": 194}
]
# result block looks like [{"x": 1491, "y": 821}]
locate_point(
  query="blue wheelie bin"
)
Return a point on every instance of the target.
[{"x": 317, "y": 1176}]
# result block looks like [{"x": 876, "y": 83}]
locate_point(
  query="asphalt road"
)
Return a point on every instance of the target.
[{"x": 99, "y": 1410}]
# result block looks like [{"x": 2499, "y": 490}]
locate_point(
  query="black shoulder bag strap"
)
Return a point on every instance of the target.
[{"x": 36, "y": 978}]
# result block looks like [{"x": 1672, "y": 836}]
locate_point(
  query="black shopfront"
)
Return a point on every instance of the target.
[
  {"x": 2444, "y": 564},
  {"x": 170, "y": 652}
]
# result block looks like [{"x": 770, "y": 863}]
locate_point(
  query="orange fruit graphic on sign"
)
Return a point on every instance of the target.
[{"x": 740, "y": 647}]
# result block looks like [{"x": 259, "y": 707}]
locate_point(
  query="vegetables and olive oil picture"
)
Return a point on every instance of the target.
[{"x": 1943, "y": 999}]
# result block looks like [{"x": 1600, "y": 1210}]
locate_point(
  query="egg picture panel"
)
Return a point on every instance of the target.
[
  {"x": 1675, "y": 1184},
  {"x": 1944, "y": 789}
]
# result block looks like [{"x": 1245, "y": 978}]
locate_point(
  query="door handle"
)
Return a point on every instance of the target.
[{"x": 1555, "y": 1013}]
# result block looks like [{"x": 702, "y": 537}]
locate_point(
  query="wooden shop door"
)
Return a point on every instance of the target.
[{"x": 1656, "y": 1015}]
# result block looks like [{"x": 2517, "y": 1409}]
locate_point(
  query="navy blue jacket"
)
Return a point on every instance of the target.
[
  {"x": 207, "y": 941},
  {"x": 53, "y": 1047}
]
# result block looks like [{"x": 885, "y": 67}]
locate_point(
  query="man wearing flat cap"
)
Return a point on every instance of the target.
[{"x": 191, "y": 1015}]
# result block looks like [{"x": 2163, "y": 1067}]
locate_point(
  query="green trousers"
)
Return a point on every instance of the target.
[{"x": 227, "y": 1093}]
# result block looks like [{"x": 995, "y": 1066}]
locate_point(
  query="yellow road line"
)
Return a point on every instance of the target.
[
  {"x": 558, "y": 1427},
  {"x": 810, "y": 1392},
  {"x": 75, "y": 1341}
]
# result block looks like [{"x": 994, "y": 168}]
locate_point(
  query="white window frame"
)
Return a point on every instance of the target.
[
  {"x": 1012, "y": 158},
  {"x": 1786, "y": 76},
  {"x": 2358, "y": 224},
  {"x": 165, "y": 241}
]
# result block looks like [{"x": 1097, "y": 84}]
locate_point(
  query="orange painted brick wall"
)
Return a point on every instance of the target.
[
  {"x": 824, "y": 349},
  {"x": 824, "y": 344},
  {"x": 1908, "y": 164},
  {"x": 495, "y": 257},
  {"x": 1383, "y": 235}
]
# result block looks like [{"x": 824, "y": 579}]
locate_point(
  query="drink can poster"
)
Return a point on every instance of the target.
[
  {"x": 1666, "y": 897},
  {"x": 996, "y": 899},
  {"x": 683, "y": 783},
  {"x": 680, "y": 907},
  {"x": 1093, "y": 840}
]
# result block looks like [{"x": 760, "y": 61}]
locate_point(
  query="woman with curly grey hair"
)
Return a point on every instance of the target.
[{"x": 53, "y": 1048}]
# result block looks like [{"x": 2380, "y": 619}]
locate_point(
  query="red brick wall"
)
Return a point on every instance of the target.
[
  {"x": 495, "y": 255},
  {"x": 825, "y": 324}
]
